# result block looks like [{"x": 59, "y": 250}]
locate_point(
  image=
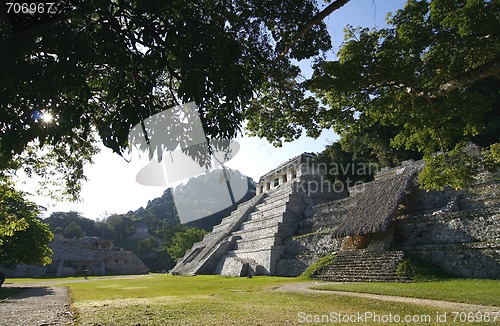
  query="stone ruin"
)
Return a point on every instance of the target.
[
  {"x": 74, "y": 256},
  {"x": 297, "y": 217},
  {"x": 252, "y": 239}
]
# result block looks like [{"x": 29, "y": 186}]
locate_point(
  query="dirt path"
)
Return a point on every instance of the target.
[
  {"x": 37, "y": 306},
  {"x": 306, "y": 287},
  {"x": 42, "y": 305}
]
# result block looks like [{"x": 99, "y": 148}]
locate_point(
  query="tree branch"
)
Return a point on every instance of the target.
[
  {"x": 488, "y": 69},
  {"x": 314, "y": 21}
]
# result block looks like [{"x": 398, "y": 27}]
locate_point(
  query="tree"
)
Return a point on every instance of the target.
[
  {"x": 64, "y": 219},
  {"x": 183, "y": 241},
  {"x": 103, "y": 230},
  {"x": 73, "y": 231},
  {"x": 97, "y": 68},
  {"x": 146, "y": 246},
  {"x": 162, "y": 208},
  {"x": 432, "y": 77},
  {"x": 346, "y": 167},
  {"x": 121, "y": 225},
  {"x": 24, "y": 239}
]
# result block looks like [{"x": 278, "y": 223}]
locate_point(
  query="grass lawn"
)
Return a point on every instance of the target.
[
  {"x": 483, "y": 292},
  {"x": 214, "y": 300}
]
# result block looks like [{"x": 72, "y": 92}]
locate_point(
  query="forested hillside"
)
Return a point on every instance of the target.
[{"x": 161, "y": 218}]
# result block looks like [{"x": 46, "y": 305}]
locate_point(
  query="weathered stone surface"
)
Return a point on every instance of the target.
[
  {"x": 204, "y": 256},
  {"x": 256, "y": 242},
  {"x": 296, "y": 219},
  {"x": 74, "y": 256},
  {"x": 458, "y": 231},
  {"x": 364, "y": 266}
]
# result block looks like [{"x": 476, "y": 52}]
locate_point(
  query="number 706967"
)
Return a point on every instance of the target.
[{"x": 31, "y": 8}]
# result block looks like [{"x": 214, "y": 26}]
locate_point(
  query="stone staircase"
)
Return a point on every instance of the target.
[
  {"x": 363, "y": 266},
  {"x": 258, "y": 242},
  {"x": 204, "y": 255},
  {"x": 252, "y": 239}
]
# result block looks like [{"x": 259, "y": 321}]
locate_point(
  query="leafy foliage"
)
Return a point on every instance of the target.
[
  {"x": 430, "y": 80},
  {"x": 73, "y": 231},
  {"x": 59, "y": 222},
  {"x": 420, "y": 271},
  {"x": 348, "y": 167},
  {"x": 183, "y": 241},
  {"x": 146, "y": 246},
  {"x": 101, "y": 67},
  {"x": 317, "y": 265},
  {"x": 159, "y": 215},
  {"x": 456, "y": 169},
  {"x": 24, "y": 239},
  {"x": 121, "y": 225}
]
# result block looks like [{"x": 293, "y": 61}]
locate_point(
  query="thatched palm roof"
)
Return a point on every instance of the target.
[{"x": 374, "y": 209}]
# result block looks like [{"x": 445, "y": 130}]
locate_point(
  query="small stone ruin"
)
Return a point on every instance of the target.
[{"x": 75, "y": 256}]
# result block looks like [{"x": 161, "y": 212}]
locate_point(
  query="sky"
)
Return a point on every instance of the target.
[{"x": 112, "y": 187}]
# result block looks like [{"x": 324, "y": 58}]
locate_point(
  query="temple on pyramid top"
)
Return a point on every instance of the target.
[{"x": 305, "y": 163}]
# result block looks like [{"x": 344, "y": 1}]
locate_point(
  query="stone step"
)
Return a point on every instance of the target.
[
  {"x": 204, "y": 255},
  {"x": 257, "y": 214},
  {"x": 363, "y": 266},
  {"x": 355, "y": 254},
  {"x": 278, "y": 216},
  {"x": 278, "y": 192},
  {"x": 227, "y": 221},
  {"x": 261, "y": 223},
  {"x": 366, "y": 259},
  {"x": 271, "y": 202},
  {"x": 277, "y": 230},
  {"x": 258, "y": 243},
  {"x": 247, "y": 235},
  {"x": 366, "y": 279}
]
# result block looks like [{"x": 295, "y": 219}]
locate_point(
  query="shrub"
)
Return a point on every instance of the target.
[
  {"x": 317, "y": 265},
  {"x": 419, "y": 270}
]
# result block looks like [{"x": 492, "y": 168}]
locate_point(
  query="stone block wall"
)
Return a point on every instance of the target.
[
  {"x": 294, "y": 222},
  {"x": 74, "y": 256},
  {"x": 464, "y": 243},
  {"x": 257, "y": 241},
  {"x": 456, "y": 230},
  {"x": 313, "y": 237},
  {"x": 302, "y": 251},
  {"x": 481, "y": 225},
  {"x": 204, "y": 256}
]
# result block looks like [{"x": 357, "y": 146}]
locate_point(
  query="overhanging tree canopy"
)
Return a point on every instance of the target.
[
  {"x": 432, "y": 77},
  {"x": 104, "y": 66}
]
